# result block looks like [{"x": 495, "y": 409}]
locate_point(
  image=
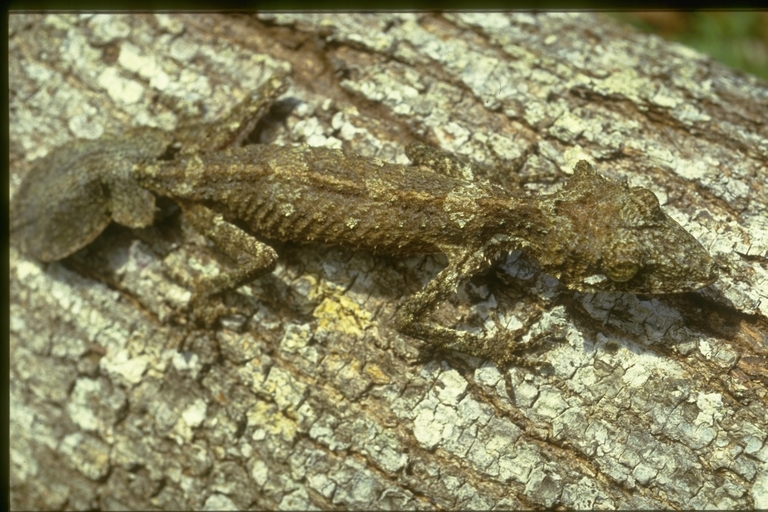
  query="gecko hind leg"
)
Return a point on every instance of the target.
[
  {"x": 254, "y": 259},
  {"x": 240, "y": 121}
]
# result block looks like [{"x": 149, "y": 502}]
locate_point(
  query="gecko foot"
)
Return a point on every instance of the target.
[
  {"x": 502, "y": 347},
  {"x": 207, "y": 308}
]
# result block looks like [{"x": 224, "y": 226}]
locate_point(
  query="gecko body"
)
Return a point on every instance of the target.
[{"x": 595, "y": 234}]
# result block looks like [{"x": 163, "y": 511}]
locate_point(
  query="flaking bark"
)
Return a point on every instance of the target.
[{"x": 315, "y": 400}]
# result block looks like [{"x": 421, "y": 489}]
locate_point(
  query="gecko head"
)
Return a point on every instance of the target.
[{"x": 617, "y": 238}]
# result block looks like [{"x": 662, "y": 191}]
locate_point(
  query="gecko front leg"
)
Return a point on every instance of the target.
[
  {"x": 253, "y": 258},
  {"x": 411, "y": 318}
]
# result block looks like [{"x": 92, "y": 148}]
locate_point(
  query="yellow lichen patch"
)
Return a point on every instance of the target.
[
  {"x": 374, "y": 372},
  {"x": 340, "y": 313},
  {"x": 264, "y": 416}
]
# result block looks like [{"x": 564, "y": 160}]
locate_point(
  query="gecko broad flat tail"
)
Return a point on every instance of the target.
[{"x": 595, "y": 234}]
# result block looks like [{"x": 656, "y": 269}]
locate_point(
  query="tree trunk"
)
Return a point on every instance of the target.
[{"x": 310, "y": 398}]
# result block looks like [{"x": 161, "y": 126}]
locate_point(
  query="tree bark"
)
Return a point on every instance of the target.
[{"x": 312, "y": 399}]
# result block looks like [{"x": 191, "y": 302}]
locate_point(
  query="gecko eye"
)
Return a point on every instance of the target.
[
  {"x": 645, "y": 201},
  {"x": 622, "y": 271},
  {"x": 622, "y": 261}
]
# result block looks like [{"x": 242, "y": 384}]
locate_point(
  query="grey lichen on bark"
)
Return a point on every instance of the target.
[{"x": 313, "y": 399}]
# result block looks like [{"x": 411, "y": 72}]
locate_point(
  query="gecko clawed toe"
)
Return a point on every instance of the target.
[{"x": 594, "y": 234}]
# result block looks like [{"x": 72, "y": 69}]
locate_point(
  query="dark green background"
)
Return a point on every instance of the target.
[{"x": 736, "y": 38}]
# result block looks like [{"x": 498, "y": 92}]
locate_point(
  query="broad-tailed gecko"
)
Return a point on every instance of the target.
[{"x": 595, "y": 234}]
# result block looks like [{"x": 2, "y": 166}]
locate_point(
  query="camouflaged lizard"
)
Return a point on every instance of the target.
[{"x": 595, "y": 234}]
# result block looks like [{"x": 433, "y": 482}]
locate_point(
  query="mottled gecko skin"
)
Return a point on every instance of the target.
[
  {"x": 595, "y": 234},
  {"x": 69, "y": 197}
]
